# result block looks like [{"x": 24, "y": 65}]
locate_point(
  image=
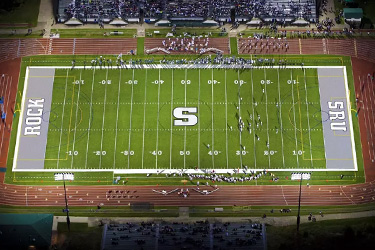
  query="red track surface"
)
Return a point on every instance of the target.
[
  {"x": 218, "y": 43},
  {"x": 227, "y": 195},
  {"x": 365, "y": 92}
]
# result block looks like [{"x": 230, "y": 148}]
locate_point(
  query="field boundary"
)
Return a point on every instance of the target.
[{"x": 193, "y": 171}]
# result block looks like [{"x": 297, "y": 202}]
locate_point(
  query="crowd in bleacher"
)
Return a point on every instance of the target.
[
  {"x": 177, "y": 235},
  {"x": 94, "y": 11},
  {"x": 153, "y": 9},
  {"x": 188, "y": 9}
]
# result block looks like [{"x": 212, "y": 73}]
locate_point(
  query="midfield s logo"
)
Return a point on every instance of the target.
[{"x": 184, "y": 116}]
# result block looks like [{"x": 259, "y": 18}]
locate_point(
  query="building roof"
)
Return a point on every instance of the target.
[
  {"x": 353, "y": 13},
  {"x": 18, "y": 231}
]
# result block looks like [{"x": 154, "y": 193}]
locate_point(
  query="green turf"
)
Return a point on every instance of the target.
[
  {"x": 140, "y": 46},
  {"x": 129, "y": 125},
  {"x": 233, "y": 46},
  {"x": 94, "y": 33},
  {"x": 162, "y": 32}
]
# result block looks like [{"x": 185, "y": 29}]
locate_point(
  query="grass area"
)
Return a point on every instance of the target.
[
  {"x": 259, "y": 211},
  {"x": 95, "y": 33},
  {"x": 80, "y": 236},
  {"x": 26, "y": 13},
  {"x": 233, "y": 46},
  {"x": 150, "y": 159},
  {"x": 140, "y": 46},
  {"x": 331, "y": 234},
  {"x": 368, "y": 11},
  {"x": 113, "y": 211},
  {"x": 196, "y": 211},
  {"x": 339, "y": 6},
  {"x": 162, "y": 32},
  {"x": 291, "y": 34},
  {"x": 35, "y": 34},
  {"x": 47, "y": 178}
]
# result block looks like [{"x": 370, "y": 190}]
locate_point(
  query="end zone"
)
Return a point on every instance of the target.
[
  {"x": 33, "y": 126},
  {"x": 336, "y": 119}
]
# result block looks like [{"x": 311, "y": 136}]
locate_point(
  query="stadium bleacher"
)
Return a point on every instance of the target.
[
  {"x": 177, "y": 235},
  {"x": 104, "y": 11}
]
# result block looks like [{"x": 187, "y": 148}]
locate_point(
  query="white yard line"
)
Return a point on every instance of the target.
[
  {"x": 226, "y": 117},
  {"x": 281, "y": 119},
  {"x": 62, "y": 118},
  {"x": 252, "y": 100},
  {"x": 308, "y": 119},
  {"x": 90, "y": 121},
  {"x": 130, "y": 122},
  {"x": 199, "y": 124},
  {"x": 105, "y": 100},
  {"x": 268, "y": 134},
  {"x": 239, "y": 114},
  {"x": 144, "y": 123},
  {"x": 118, "y": 107},
  {"x": 185, "y": 126},
  {"x": 170, "y": 138},
  {"x": 212, "y": 117},
  {"x": 75, "y": 122},
  {"x": 294, "y": 115},
  {"x": 157, "y": 125}
]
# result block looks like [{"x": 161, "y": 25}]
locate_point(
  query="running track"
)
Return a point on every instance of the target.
[{"x": 227, "y": 195}]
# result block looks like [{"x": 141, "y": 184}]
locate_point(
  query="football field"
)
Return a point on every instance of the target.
[{"x": 150, "y": 119}]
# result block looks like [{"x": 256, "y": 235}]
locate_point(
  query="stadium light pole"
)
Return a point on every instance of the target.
[
  {"x": 299, "y": 204},
  {"x": 66, "y": 206}
]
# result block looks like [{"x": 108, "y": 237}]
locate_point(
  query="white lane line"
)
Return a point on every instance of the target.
[
  {"x": 144, "y": 123},
  {"x": 371, "y": 94},
  {"x": 346, "y": 195},
  {"x": 75, "y": 122},
  {"x": 308, "y": 119},
  {"x": 62, "y": 118},
  {"x": 118, "y": 107},
  {"x": 294, "y": 115},
  {"x": 282, "y": 190},
  {"x": 105, "y": 100},
  {"x": 226, "y": 117},
  {"x": 281, "y": 119},
  {"x": 157, "y": 125},
  {"x": 268, "y": 134},
  {"x": 90, "y": 121},
  {"x": 367, "y": 117},
  {"x": 170, "y": 138},
  {"x": 130, "y": 122},
  {"x": 7, "y": 101}
]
